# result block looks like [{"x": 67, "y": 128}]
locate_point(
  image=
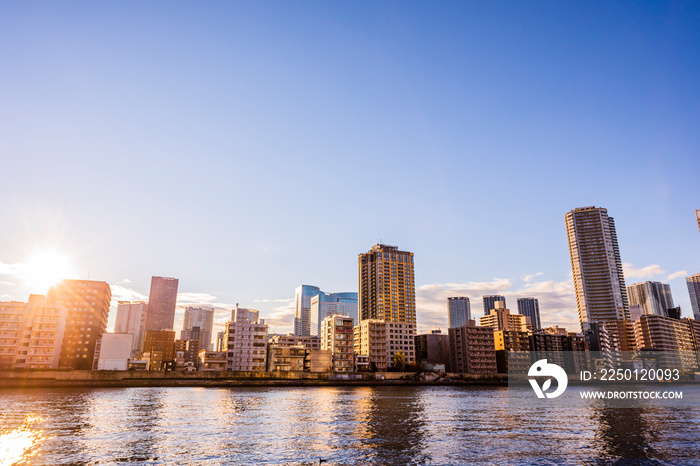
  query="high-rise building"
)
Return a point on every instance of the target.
[
  {"x": 202, "y": 319},
  {"x": 490, "y": 302},
  {"x": 328, "y": 304},
  {"x": 530, "y": 307},
  {"x": 387, "y": 294},
  {"x": 161, "y": 303},
  {"x": 599, "y": 282},
  {"x": 387, "y": 285},
  {"x": 87, "y": 302},
  {"x": 654, "y": 297},
  {"x": 31, "y": 333},
  {"x": 693, "y": 283},
  {"x": 302, "y": 308},
  {"x": 458, "y": 311},
  {"x": 131, "y": 318}
]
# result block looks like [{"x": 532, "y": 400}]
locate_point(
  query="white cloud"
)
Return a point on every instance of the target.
[
  {"x": 528, "y": 278},
  {"x": 649, "y": 271},
  {"x": 194, "y": 298},
  {"x": 679, "y": 274},
  {"x": 122, "y": 293},
  {"x": 12, "y": 269}
]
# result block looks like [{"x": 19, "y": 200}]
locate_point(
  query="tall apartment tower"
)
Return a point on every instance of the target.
[
  {"x": 302, "y": 308},
  {"x": 693, "y": 283},
  {"x": 201, "y": 318},
  {"x": 458, "y": 311},
  {"x": 530, "y": 307},
  {"x": 87, "y": 303},
  {"x": 387, "y": 285},
  {"x": 597, "y": 268},
  {"x": 490, "y": 302},
  {"x": 161, "y": 303},
  {"x": 654, "y": 297}
]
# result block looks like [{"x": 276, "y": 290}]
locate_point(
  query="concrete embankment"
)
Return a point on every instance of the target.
[{"x": 87, "y": 379}]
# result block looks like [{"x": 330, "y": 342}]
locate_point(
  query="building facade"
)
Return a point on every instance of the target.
[
  {"x": 501, "y": 319},
  {"x": 599, "y": 282},
  {"x": 693, "y": 283},
  {"x": 162, "y": 300},
  {"x": 113, "y": 352},
  {"x": 302, "y": 308},
  {"x": 337, "y": 336},
  {"x": 328, "y": 304},
  {"x": 458, "y": 311},
  {"x": 246, "y": 341},
  {"x": 433, "y": 348},
  {"x": 530, "y": 307},
  {"x": 654, "y": 297},
  {"x": 31, "y": 334},
  {"x": 311, "y": 342},
  {"x": 472, "y": 349},
  {"x": 87, "y": 303},
  {"x": 490, "y": 302},
  {"x": 381, "y": 341},
  {"x": 201, "y": 319},
  {"x": 387, "y": 285},
  {"x": 131, "y": 318}
]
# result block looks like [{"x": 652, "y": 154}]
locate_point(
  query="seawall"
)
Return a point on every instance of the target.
[{"x": 88, "y": 379}]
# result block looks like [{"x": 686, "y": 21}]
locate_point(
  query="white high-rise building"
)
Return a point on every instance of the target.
[
  {"x": 246, "y": 341},
  {"x": 654, "y": 297},
  {"x": 302, "y": 309},
  {"x": 198, "y": 325},
  {"x": 599, "y": 282},
  {"x": 693, "y": 283},
  {"x": 131, "y": 318}
]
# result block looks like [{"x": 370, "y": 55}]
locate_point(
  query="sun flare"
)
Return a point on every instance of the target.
[{"x": 46, "y": 268}]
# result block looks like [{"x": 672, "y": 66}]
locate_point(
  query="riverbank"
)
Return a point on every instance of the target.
[{"x": 102, "y": 379}]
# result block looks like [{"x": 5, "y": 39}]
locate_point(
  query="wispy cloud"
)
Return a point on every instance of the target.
[
  {"x": 679, "y": 274},
  {"x": 122, "y": 293},
  {"x": 281, "y": 319},
  {"x": 649, "y": 271},
  {"x": 528, "y": 278}
]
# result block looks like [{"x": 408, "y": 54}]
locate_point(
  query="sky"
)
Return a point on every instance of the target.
[{"x": 247, "y": 148}]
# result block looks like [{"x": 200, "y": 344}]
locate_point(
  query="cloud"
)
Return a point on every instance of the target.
[
  {"x": 679, "y": 274},
  {"x": 281, "y": 319},
  {"x": 528, "y": 278},
  {"x": 194, "y": 298},
  {"x": 649, "y": 271},
  {"x": 557, "y": 301},
  {"x": 12, "y": 269},
  {"x": 122, "y": 293}
]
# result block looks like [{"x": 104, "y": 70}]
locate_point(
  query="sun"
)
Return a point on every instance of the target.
[{"x": 46, "y": 268}]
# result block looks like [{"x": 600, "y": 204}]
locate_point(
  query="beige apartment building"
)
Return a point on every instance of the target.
[
  {"x": 31, "y": 334},
  {"x": 500, "y": 318},
  {"x": 337, "y": 336}
]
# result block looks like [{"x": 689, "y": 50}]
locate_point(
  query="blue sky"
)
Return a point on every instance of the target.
[{"x": 250, "y": 147}]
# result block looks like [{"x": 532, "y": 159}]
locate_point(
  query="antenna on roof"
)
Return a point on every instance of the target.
[{"x": 89, "y": 270}]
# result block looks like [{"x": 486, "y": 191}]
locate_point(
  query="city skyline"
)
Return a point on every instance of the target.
[{"x": 209, "y": 162}]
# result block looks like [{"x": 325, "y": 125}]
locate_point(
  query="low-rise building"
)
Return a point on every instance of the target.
[
  {"x": 432, "y": 348},
  {"x": 282, "y": 358},
  {"x": 472, "y": 349},
  {"x": 512, "y": 351},
  {"x": 159, "y": 349},
  {"x": 500, "y": 318},
  {"x": 212, "y": 361},
  {"x": 113, "y": 351},
  {"x": 381, "y": 341},
  {"x": 337, "y": 336},
  {"x": 312, "y": 342}
]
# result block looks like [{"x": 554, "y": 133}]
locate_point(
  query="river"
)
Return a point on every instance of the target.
[{"x": 337, "y": 425}]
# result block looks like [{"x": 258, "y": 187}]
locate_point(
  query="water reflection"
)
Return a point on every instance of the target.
[
  {"x": 341, "y": 425},
  {"x": 20, "y": 443}
]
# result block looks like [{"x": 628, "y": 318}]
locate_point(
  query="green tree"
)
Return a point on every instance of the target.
[{"x": 399, "y": 360}]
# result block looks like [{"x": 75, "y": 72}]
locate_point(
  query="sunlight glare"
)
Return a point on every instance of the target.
[
  {"x": 46, "y": 268},
  {"x": 17, "y": 444}
]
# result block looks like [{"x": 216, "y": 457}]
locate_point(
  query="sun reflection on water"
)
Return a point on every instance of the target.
[{"x": 20, "y": 443}]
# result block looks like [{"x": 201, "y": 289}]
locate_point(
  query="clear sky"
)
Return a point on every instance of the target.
[{"x": 249, "y": 147}]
